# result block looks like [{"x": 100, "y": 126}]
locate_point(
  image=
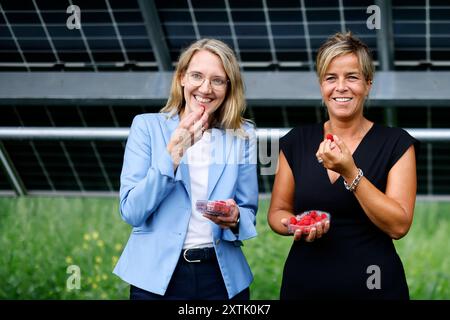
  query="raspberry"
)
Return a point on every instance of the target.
[
  {"x": 330, "y": 137},
  {"x": 307, "y": 220},
  {"x": 213, "y": 207},
  {"x": 221, "y": 207}
]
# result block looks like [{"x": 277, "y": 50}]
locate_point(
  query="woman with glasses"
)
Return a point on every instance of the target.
[
  {"x": 362, "y": 173},
  {"x": 199, "y": 147}
]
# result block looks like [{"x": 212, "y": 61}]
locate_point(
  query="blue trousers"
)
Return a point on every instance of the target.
[{"x": 192, "y": 281}]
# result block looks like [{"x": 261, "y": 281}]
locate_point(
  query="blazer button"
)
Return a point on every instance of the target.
[{"x": 217, "y": 242}]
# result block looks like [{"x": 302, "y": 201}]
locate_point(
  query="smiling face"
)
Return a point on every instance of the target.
[
  {"x": 344, "y": 87},
  {"x": 208, "y": 95}
]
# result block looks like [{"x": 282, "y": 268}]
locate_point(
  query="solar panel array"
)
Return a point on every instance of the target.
[
  {"x": 34, "y": 34},
  {"x": 265, "y": 34}
]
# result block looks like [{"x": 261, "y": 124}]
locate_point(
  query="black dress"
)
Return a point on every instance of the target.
[{"x": 345, "y": 262}]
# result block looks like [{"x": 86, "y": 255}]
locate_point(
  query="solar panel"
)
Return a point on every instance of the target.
[
  {"x": 4, "y": 183},
  {"x": 264, "y": 33},
  {"x": 67, "y": 165},
  {"x": 34, "y": 34}
]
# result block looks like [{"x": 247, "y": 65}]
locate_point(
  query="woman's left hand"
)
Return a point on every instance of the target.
[
  {"x": 316, "y": 232},
  {"x": 336, "y": 156},
  {"x": 229, "y": 221}
]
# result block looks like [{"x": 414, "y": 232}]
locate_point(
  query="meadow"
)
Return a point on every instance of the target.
[{"x": 40, "y": 237}]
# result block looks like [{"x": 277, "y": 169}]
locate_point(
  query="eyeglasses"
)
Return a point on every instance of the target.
[{"x": 197, "y": 79}]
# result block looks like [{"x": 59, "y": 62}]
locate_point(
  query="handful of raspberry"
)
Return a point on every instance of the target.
[
  {"x": 214, "y": 207},
  {"x": 307, "y": 220}
]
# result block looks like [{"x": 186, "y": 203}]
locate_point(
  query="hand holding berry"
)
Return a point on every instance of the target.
[
  {"x": 337, "y": 157},
  {"x": 312, "y": 224},
  {"x": 226, "y": 221},
  {"x": 188, "y": 132}
]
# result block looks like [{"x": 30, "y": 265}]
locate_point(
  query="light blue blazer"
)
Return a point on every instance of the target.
[{"x": 156, "y": 202}]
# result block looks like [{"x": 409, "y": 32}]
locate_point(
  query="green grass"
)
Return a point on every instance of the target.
[
  {"x": 41, "y": 237},
  {"x": 424, "y": 252}
]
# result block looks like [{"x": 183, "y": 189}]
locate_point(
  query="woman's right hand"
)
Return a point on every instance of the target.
[
  {"x": 189, "y": 131},
  {"x": 315, "y": 233}
]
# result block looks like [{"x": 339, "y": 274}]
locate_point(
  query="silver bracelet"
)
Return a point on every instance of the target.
[{"x": 355, "y": 182}]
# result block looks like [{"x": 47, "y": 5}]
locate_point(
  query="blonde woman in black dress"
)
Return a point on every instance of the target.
[{"x": 365, "y": 178}]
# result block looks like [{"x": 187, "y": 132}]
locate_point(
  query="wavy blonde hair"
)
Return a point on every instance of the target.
[
  {"x": 230, "y": 114},
  {"x": 341, "y": 44}
]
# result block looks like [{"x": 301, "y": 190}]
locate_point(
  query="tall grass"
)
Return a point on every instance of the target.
[
  {"x": 424, "y": 252},
  {"x": 41, "y": 237}
]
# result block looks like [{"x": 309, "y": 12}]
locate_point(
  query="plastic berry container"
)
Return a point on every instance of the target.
[
  {"x": 307, "y": 220},
  {"x": 213, "y": 207}
]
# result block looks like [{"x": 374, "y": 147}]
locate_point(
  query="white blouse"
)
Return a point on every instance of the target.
[{"x": 199, "y": 233}]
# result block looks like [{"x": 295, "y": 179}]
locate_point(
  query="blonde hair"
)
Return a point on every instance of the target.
[
  {"x": 341, "y": 44},
  {"x": 230, "y": 114}
]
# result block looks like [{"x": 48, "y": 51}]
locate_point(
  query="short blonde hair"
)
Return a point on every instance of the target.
[
  {"x": 341, "y": 44},
  {"x": 230, "y": 114}
]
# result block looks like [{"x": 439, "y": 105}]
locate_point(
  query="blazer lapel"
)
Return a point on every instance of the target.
[
  {"x": 171, "y": 124},
  {"x": 220, "y": 151},
  {"x": 183, "y": 169}
]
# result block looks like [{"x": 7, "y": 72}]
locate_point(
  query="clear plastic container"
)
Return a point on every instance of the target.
[
  {"x": 213, "y": 207},
  {"x": 307, "y": 220}
]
